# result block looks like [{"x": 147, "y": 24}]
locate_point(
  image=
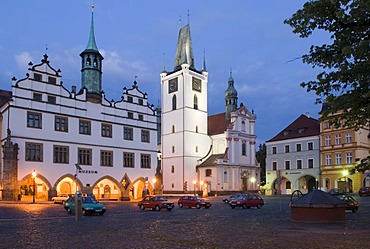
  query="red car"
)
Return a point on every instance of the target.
[
  {"x": 247, "y": 201},
  {"x": 193, "y": 201},
  {"x": 155, "y": 203},
  {"x": 364, "y": 191}
]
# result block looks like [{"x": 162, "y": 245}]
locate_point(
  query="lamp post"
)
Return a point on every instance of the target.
[
  {"x": 345, "y": 174},
  {"x": 34, "y": 185},
  {"x": 194, "y": 182},
  {"x": 154, "y": 182}
]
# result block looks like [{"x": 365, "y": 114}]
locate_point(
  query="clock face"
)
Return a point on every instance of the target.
[
  {"x": 172, "y": 85},
  {"x": 197, "y": 84}
]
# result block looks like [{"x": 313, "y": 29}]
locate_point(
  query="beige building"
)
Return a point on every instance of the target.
[{"x": 340, "y": 147}]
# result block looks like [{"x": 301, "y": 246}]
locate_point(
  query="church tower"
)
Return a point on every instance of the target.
[
  {"x": 231, "y": 98},
  {"x": 91, "y": 72},
  {"x": 184, "y": 119}
]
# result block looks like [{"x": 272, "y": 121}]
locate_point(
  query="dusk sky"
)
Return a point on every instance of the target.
[{"x": 136, "y": 36}]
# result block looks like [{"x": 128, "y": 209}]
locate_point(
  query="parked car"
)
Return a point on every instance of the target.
[
  {"x": 193, "y": 201},
  {"x": 336, "y": 191},
  {"x": 232, "y": 197},
  {"x": 89, "y": 206},
  {"x": 155, "y": 203},
  {"x": 61, "y": 198},
  {"x": 247, "y": 201},
  {"x": 364, "y": 191},
  {"x": 352, "y": 204}
]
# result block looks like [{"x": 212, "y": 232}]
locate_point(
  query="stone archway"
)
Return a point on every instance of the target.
[
  {"x": 107, "y": 188},
  {"x": 66, "y": 184},
  {"x": 307, "y": 183},
  {"x": 140, "y": 188},
  {"x": 37, "y": 187}
]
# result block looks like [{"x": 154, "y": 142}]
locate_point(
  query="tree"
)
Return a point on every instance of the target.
[
  {"x": 261, "y": 158},
  {"x": 344, "y": 81}
]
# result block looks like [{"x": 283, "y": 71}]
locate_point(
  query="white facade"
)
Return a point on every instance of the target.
[{"x": 56, "y": 128}]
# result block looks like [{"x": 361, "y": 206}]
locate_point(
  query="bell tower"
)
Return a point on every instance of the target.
[
  {"x": 184, "y": 118},
  {"x": 91, "y": 72}
]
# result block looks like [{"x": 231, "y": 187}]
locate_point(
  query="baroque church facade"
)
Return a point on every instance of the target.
[
  {"x": 201, "y": 153},
  {"x": 57, "y": 140}
]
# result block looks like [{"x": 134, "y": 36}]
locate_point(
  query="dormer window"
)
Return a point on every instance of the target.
[
  {"x": 37, "y": 77},
  {"x": 52, "y": 80},
  {"x": 300, "y": 130},
  {"x": 286, "y": 133},
  {"x": 130, "y": 99},
  {"x": 140, "y": 101}
]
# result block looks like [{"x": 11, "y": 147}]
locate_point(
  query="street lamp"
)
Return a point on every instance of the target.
[
  {"x": 194, "y": 182},
  {"x": 154, "y": 181},
  {"x": 34, "y": 187},
  {"x": 201, "y": 187},
  {"x": 345, "y": 174}
]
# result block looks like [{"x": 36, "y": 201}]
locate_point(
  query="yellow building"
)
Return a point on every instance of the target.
[{"x": 339, "y": 149}]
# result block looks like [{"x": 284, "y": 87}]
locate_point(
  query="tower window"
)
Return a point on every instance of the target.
[
  {"x": 196, "y": 129},
  {"x": 37, "y": 77},
  {"x": 174, "y": 104},
  {"x": 37, "y": 97},
  {"x": 52, "y": 80},
  {"x": 173, "y": 129},
  {"x": 244, "y": 149},
  {"x": 172, "y": 169},
  {"x": 88, "y": 61},
  {"x": 95, "y": 62},
  {"x": 195, "y": 102},
  {"x": 173, "y": 149}
]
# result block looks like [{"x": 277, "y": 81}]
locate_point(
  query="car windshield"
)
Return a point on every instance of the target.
[
  {"x": 160, "y": 198},
  {"x": 89, "y": 199}
]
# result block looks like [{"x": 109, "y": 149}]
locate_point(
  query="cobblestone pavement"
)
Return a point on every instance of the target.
[{"x": 47, "y": 225}]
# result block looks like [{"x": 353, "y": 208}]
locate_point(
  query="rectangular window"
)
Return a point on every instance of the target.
[
  {"x": 61, "y": 124},
  {"x": 106, "y": 130},
  {"x": 274, "y": 150},
  {"x": 208, "y": 172},
  {"x": 145, "y": 136},
  {"x": 85, "y": 127},
  {"x": 274, "y": 165},
  {"x": 61, "y": 154},
  {"x": 128, "y": 133},
  {"x": 287, "y": 148},
  {"x": 287, "y": 165},
  {"x": 299, "y": 164},
  {"x": 145, "y": 161},
  {"x": 328, "y": 160},
  {"x": 37, "y": 97},
  {"x": 130, "y": 99},
  {"x": 327, "y": 141},
  {"x": 106, "y": 158},
  {"x": 141, "y": 117},
  {"x": 52, "y": 99},
  {"x": 140, "y": 101},
  {"x": 52, "y": 80},
  {"x": 337, "y": 139},
  {"x": 349, "y": 158},
  {"x": 130, "y": 115},
  {"x": 338, "y": 159},
  {"x": 34, "y": 152},
  {"x": 310, "y": 163},
  {"x": 310, "y": 146},
  {"x": 348, "y": 138},
  {"x": 37, "y": 77},
  {"x": 128, "y": 160},
  {"x": 299, "y": 147},
  {"x": 326, "y": 125},
  {"x": 34, "y": 120},
  {"x": 84, "y": 156}
]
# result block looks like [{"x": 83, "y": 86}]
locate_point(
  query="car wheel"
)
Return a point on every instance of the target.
[
  {"x": 181, "y": 205},
  {"x": 244, "y": 206},
  {"x": 142, "y": 207},
  {"x": 248, "y": 207},
  {"x": 259, "y": 206},
  {"x": 157, "y": 208},
  {"x": 206, "y": 207},
  {"x": 69, "y": 210},
  {"x": 197, "y": 206}
]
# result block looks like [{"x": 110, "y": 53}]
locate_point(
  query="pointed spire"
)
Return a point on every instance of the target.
[
  {"x": 184, "y": 51},
  {"x": 204, "y": 69},
  {"x": 91, "y": 43},
  {"x": 164, "y": 63}
]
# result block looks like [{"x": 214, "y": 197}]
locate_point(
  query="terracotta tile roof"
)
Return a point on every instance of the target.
[
  {"x": 303, "y": 126},
  {"x": 4, "y": 96},
  {"x": 217, "y": 124}
]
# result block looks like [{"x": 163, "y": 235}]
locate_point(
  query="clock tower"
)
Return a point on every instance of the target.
[{"x": 184, "y": 119}]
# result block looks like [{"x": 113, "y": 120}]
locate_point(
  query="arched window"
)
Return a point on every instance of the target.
[
  {"x": 172, "y": 169},
  {"x": 173, "y": 149},
  {"x": 196, "y": 129},
  {"x": 195, "y": 102},
  {"x": 244, "y": 149},
  {"x": 95, "y": 64},
  {"x": 243, "y": 126},
  {"x": 196, "y": 149},
  {"x": 88, "y": 61},
  {"x": 173, "y": 129},
  {"x": 226, "y": 179},
  {"x": 288, "y": 185},
  {"x": 174, "y": 104}
]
